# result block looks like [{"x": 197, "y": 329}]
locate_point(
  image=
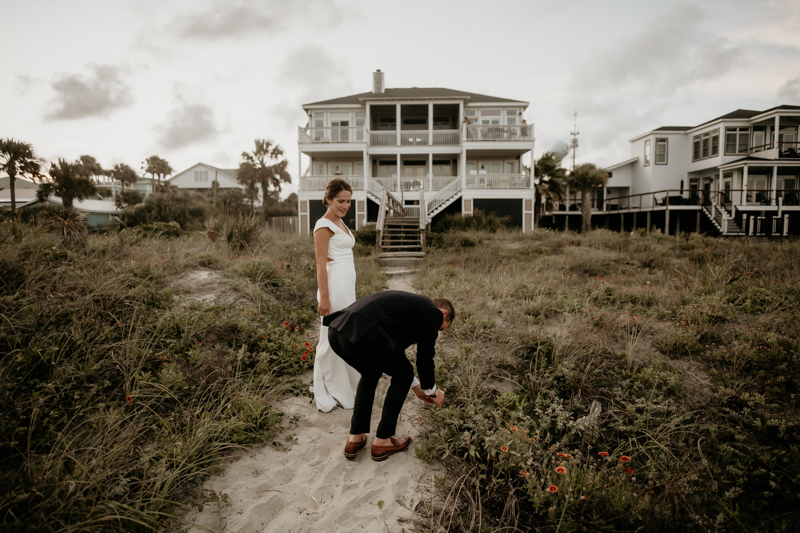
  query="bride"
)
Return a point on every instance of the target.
[{"x": 335, "y": 381}]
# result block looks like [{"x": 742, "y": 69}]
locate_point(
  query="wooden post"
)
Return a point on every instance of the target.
[
  {"x": 634, "y": 221},
  {"x": 697, "y": 224},
  {"x": 678, "y": 226},
  {"x": 648, "y": 222}
]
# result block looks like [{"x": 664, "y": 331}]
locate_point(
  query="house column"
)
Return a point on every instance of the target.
[
  {"x": 399, "y": 190},
  {"x": 774, "y": 184},
  {"x": 463, "y": 169},
  {"x": 367, "y": 170},
  {"x": 367, "y": 126},
  {"x": 430, "y": 171},
  {"x": 743, "y": 199},
  {"x": 776, "y": 132},
  {"x": 461, "y": 128},
  {"x": 397, "y": 129},
  {"x": 430, "y": 124}
]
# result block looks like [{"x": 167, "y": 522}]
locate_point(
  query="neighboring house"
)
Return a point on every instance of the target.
[
  {"x": 463, "y": 151},
  {"x": 24, "y": 192},
  {"x": 200, "y": 178},
  {"x": 736, "y": 174}
]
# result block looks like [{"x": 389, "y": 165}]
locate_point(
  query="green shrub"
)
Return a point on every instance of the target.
[
  {"x": 366, "y": 237},
  {"x": 238, "y": 230},
  {"x": 478, "y": 221},
  {"x": 183, "y": 207}
]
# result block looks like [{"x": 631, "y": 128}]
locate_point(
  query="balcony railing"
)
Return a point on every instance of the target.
[
  {"x": 383, "y": 138},
  {"x": 390, "y": 184},
  {"x": 446, "y": 137},
  {"x": 318, "y": 183},
  {"x": 334, "y": 134},
  {"x": 498, "y": 181},
  {"x": 414, "y": 138},
  {"x": 485, "y": 132}
]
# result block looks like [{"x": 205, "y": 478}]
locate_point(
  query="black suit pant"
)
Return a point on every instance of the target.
[{"x": 372, "y": 357}]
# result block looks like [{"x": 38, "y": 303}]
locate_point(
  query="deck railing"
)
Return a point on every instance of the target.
[
  {"x": 413, "y": 184},
  {"x": 498, "y": 181},
  {"x": 439, "y": 182},
  {"x": 390, "y": 184},
  {"x": 446, "y": 137},
  {"x": 745, "y": 197},
  {"x": 383, "y": 138},
  {"x": 334, "y": 134},
  {"x": 414, "y": 138},
  {"x": 486, "y": 132},
  {"x": 318, "y": 183}
]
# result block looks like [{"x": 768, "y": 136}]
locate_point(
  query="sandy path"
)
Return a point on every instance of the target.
[{"x": 310, "y": 486}]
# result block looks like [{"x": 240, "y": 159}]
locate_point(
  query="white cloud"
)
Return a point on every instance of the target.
[
  {"x": 239, "y": 18},
  {"x": 98, "y": 94},
  {"x": 789, "y": 92},
  {"x": 187, "y": 124}
]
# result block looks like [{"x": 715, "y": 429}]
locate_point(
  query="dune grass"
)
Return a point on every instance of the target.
[
  {"x": 120, "y": 393},
  {"x": 689, "y": 348}
]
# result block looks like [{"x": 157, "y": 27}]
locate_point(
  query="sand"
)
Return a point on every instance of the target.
[{"x": 309, "y": 486}]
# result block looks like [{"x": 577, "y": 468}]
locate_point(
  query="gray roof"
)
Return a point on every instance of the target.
[
  {"x": 739, "y": 114},
  {"x": 673, "y": 128},
  {"x": 414, "y": 92}
]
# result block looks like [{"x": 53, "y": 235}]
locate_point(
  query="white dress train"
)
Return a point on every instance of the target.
[{"x": 335, "y": 381}]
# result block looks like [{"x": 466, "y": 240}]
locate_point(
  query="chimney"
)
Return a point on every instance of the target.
[{"x": 377, "y": 82}]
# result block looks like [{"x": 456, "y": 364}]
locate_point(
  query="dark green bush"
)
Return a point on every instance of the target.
[
  {"x": 367, "y": 237},
  {"x": 478, "y": 221},
  {"x": 189, "y": 210}
]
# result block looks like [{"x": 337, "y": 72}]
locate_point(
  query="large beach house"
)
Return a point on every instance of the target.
[
  {"x": 738, "y": 174},
  {"x": 417, "y": 153}
]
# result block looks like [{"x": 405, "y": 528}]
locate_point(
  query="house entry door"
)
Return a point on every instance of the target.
[{"x": 757, "y": 193}]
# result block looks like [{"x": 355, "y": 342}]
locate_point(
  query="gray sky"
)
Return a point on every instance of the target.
[{"x": 201, "y": 80}]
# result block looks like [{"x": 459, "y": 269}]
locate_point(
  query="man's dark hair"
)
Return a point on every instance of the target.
[{"x": 445, "y": 304}]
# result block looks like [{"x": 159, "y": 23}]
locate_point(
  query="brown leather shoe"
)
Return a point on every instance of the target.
[
  {"x": 379, "y": 453},
  {"x": 352, "y": 448}
]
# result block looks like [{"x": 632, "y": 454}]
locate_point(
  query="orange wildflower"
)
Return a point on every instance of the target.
[
  {"x": 513, "y": 428},
  {"x": 624, "y": 459},
  {"x": 602, "y": 454},
  {"x": 503, "y": 448},
  {"x": 523, "y": 473},
  {"x": 561, "y": 470},
  {"x": 553, "y": 489}
]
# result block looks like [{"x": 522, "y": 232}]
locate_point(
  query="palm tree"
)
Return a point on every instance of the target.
[
  {"x": 124, "y": 174},
  {"x": 549, "y": 180},
  {"x": 155, "y": 166},
  {"x": 585, "y": 178},
  {"x": 91, "y": 165},
  {"x": 69, "y": 181},
  {"x": 265, "y": 166},
  {"x": 18, "y": 159}
]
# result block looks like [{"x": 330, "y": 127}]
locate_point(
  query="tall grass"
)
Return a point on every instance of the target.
[
  {"x": 690, "y": 347},
  {"x": 116, "y": 398}
]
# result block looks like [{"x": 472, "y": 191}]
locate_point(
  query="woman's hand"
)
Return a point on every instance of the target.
[{"x": 324, "y": 306}]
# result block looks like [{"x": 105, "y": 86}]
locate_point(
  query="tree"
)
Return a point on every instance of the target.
[
  {"x": 155, "y": 166},
  {"x": 549, "y": 180},
  {"x": 124, "y": 174},
  {"x": 265, "y": 166},
  {"x": 585, "y": 178},
  {"x": 18, "y": 159},
  {"x": 91, "y": 165},
  {"x": 69, "y": 181}
]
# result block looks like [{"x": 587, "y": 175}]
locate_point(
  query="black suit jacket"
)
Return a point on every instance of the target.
[{"x": 404, "y": 318}]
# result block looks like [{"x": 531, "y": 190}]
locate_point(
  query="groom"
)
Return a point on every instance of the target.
[{"x": 371, "y": 335}]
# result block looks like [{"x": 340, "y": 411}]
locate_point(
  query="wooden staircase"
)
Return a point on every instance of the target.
[{"x": 402, "y": 242}]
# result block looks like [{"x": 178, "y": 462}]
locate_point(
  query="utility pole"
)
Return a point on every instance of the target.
[{"x": 574, "y": 142}]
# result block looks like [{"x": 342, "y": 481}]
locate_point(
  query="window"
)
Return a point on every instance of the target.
[
  {"x": 705, "y": 145},
  {"x": 200, "y": 175},
  {"x": 759, "y": 138},
  {"x": 736, "y": 140},
  {"x": 661, "y": 151},
  {"x": 647, "y": 152},
  {"x": 511, "y": 117},
  {"x": 714, "y": 143}
]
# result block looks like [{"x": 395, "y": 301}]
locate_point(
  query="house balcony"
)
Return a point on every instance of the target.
[
  {"x": 779, "y": 150},
  {"x": 498, "y": 133},
  {"x": 427, "y": 183},
  {"x": 359, "y": 134}
]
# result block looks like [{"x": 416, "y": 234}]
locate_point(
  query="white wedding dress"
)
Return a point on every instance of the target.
[{"x": 335, "y": 381}]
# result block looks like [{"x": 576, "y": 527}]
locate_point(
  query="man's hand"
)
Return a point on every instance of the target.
[{"x": 435, "y": 400}]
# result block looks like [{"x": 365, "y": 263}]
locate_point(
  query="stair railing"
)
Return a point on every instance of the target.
[
  {"x": 423, "y": 215},
  {"x": 442, "y": 196}
]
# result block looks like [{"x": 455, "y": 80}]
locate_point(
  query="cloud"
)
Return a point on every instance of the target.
[
  {"x": 627, "y": 86},
  {"x": 97, "y": 94},
  {"x": 789, "y": 92},
  {"x": 239, "y": 18},
  {"x": 303, "y": 68},
  {"x": 187, "y": 124}
]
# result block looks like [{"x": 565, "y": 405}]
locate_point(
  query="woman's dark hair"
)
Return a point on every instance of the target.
[{"x": 335, "y": 186}]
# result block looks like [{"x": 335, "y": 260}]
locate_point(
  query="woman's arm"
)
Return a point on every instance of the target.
[{"x": 321, "y": 239}]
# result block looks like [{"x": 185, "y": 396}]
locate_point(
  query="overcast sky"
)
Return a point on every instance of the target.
[{"x": 201, "y": 80}]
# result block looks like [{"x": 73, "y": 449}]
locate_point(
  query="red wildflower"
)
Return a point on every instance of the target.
[
  {"x": 561, "y": 470},
  {"x": 503, "y": 448},
  {"x": 624, "y": 459},
  {"x": 295, "y": 344},
  {"x": 285, "y": 323},
  {"x": 304, "y": 358},
  {"x": 513, "y": 428},
  {"x": 199, "y": 343},
  {"x": 602, "y": 454},
  {"x": 565, "y": 455},
  {"x": 523, "y": 473},
  {"x": 629, "y": 470},
  {"x": 128, "y": 399},
  {"x": 307, "y": 345},
  {"x": 553, "y": 489},
  {"x": 305, "y": 353}
]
